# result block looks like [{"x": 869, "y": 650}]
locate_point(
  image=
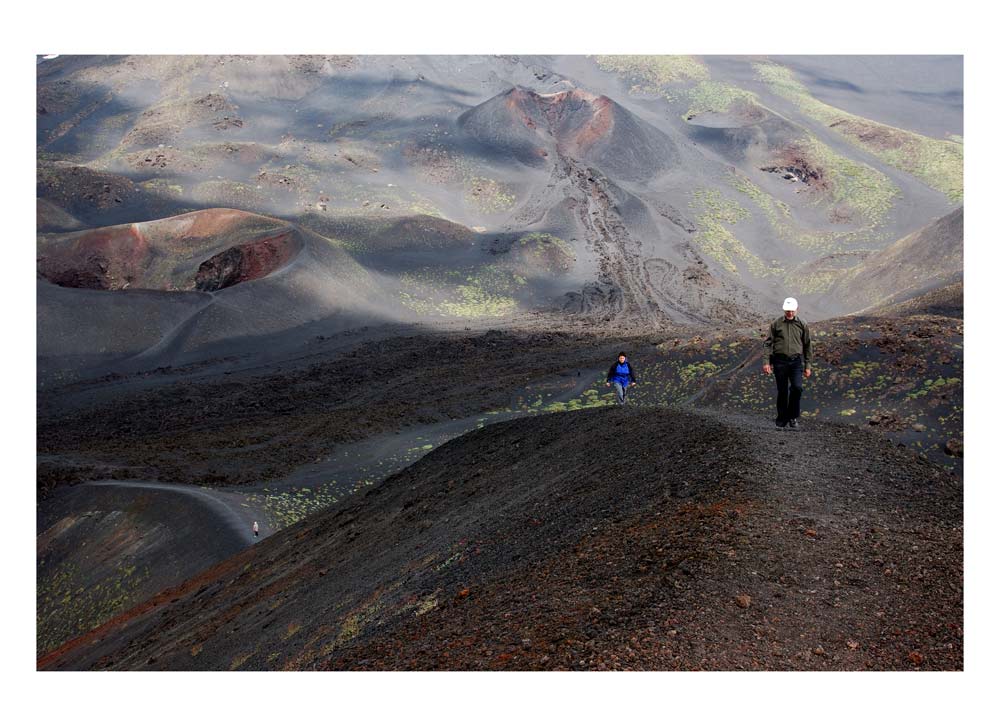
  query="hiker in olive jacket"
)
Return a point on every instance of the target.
[{"x": 789, "y": 352}]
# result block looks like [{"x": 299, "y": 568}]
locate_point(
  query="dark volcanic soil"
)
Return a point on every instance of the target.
[
  {"x": 636, "y": 538},
  {"x": 104, "y": 548},
  {"x": 607, "y": 209},
  {"x": 260, "y": 424}
]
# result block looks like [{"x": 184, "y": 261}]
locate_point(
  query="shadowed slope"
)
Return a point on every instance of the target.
[
  {"x": 946, "y": 301},
  {"x": 642, "y": 538},
  {"x": 929, "y": 258},
  {"x": 167, "y": 287},
  {"x": 50, "y": 218}
]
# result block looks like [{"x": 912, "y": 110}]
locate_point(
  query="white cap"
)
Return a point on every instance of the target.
[{"x": 790, "y": 304}]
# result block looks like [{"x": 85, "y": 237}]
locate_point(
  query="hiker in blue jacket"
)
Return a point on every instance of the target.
[{"x": 622, "y": 375}]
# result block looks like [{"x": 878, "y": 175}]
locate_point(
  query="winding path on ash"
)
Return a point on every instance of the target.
[
  {"x": 230, "y": 508},
  {"x": 733, "y": 547},
  {"x": 211, "y": 524},
  {"x": 351, "y": 466}
]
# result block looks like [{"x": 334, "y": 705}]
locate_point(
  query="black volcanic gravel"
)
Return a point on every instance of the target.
[{"x": 634, "y": 538}]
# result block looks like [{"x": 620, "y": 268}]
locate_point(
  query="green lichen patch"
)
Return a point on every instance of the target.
[
  {"x": 68, "y": 604},
  {"x": 476, "y": 302},
  {"x": 651, "y": 74},
  {"x": 933, "y": 385},
  {"x": 286, "y": 507},
  {"x": 857, "y": 186},
  {"x": 936, "y": 162},
  {"x": 778, "y": 213},
  {"x": 163, "y": 188},
  {"x": 812, "y": 282},
  {"x": 716, "y": 214},
  {"x": 425, "y": 605},
  {"x": 239, "y": 661},
  {"x": 699, "y": 370},
  {"x": 545, "y": 253},
  {"x": 488, "y": 196},
  {"x": 716, "y": 97},
  {"x": 471, "y": 292}
]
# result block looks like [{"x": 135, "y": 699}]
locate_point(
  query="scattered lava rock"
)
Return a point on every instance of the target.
[
  {"x": 889, "y": 421},
  {"x": 589, "y": 561}
]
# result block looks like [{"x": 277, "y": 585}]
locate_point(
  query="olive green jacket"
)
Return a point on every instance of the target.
[{"x": 789, "y": 337}]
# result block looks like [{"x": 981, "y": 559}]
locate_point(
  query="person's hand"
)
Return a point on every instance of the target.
[
  {"x": 606, "y": 385},
  {"x": 632, "y": 383},
  {"x": 808, "y": 372},
  {"x": 767, "y": 368}
]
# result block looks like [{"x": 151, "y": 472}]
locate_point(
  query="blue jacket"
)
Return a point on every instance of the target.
[{"x": 621, "y": 372}]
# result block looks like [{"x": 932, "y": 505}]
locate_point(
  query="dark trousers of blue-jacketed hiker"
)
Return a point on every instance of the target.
[
  {"x": 621, "y": 390},
  {"x": 788, "y": 377}
]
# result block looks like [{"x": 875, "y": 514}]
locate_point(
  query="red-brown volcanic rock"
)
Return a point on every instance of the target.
[
  {"x": 111, "y": 258},
  {"x": 531, "y": 126},
  {"x": 575, "y": 119},
  {"x": 246, "y": 262},
  {"x": 208, "y": 250}
]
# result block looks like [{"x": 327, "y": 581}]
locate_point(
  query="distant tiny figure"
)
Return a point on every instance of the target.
[
  {"x": 256, "y": 529},
  {"x": 788, "y": 354},
  {"x": 622, "y": 375}
]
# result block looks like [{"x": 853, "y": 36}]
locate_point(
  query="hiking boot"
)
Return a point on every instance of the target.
[
  {"x": 793, "y": 424},
  {"x": 779, "y": 424}
]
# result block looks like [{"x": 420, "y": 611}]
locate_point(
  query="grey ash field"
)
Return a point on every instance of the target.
[{"x": 369, "y": 302}]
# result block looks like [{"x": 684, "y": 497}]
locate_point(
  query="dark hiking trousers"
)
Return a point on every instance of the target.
[{"x": 788, "y": 377}]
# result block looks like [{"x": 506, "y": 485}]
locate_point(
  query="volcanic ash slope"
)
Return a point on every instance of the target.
[
  {"x": 647, "y": 538},
  {"x": 154, "y": 289}
]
